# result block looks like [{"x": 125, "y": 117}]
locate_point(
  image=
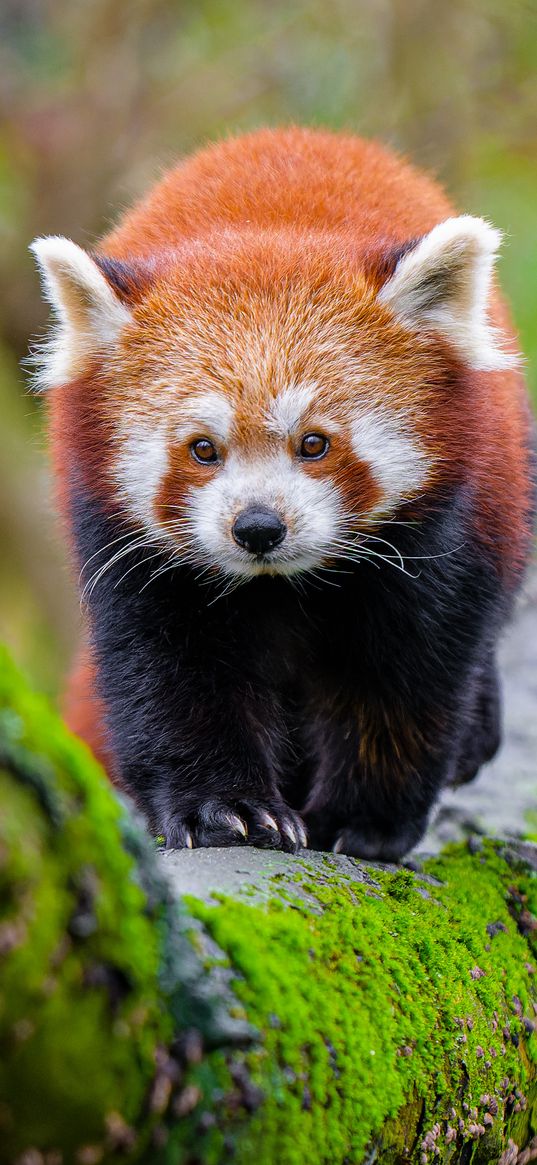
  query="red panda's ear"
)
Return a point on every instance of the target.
[
  {"x": 91, "y": 312},
  {"x": 443, "y": 283}
]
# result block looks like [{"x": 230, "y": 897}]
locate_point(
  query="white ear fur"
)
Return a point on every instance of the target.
[
  {"x": 89, "y": 314},
  {"x": 444, "y": 283}
]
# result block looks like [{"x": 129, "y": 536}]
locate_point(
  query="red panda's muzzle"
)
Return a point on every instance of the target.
[{"x": 258, "y": 529}]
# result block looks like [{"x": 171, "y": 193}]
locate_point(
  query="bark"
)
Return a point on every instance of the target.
[{"x": 243, "y": 1005}]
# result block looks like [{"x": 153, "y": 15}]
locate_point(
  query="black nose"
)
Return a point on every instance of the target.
[{"x": 258, "y": 529}]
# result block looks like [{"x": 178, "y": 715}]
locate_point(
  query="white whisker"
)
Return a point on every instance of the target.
[
  {"x": 98, "y": 574},
  {"x": 143, "y": 562},
  {"x": 114, "y": 542}
]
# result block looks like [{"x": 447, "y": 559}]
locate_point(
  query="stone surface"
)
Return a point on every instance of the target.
[
  {"x": 227, "y": 870},
  {"x": 235, "y": 870}
]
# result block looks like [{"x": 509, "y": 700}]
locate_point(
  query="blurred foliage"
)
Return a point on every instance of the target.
[{"x": 97, "y": 96}]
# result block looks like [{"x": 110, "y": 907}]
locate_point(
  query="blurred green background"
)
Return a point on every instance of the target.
[{"x": 97, "y": 96}]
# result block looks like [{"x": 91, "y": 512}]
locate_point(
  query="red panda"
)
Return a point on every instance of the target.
[{"x": 293, "y": 449}]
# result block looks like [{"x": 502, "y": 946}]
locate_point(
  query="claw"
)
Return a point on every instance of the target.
[
  {"x": 338, "y": 846},
  {"x": 237, "y": 824},
  {"x": 188, "y": 840},
  {"x": 289, "y": 831},
  {"x": 302, "y": 835},
  {"x": 267, "y": 820}
]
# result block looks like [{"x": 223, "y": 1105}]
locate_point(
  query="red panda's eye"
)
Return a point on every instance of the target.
[
  {"x": 204, "y": 451},
  {"x": 314, "y": 446}
]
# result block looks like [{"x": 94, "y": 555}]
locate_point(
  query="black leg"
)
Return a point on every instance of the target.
[
  {"x": 194, "y": 766},
  {"x": 377, "y": 806},
  {"x": 482, "y": 737},
  {"x": 375, "y": 803}
]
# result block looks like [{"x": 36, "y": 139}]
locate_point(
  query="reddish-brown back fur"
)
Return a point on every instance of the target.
[{"x": 297, "y": 178}]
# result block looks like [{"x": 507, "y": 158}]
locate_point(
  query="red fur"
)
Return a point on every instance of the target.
[{"x": 84, "y": 712}]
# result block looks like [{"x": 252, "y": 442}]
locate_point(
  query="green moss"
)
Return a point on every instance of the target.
[
  {"x": 97, "y": 975},
  {"x": 80, "y": 1015},
  {"x": 374, "y": 995}
]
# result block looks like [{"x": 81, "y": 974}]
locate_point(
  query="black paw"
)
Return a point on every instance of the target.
[
  {"x": 239, "y": 822},
  {"x": 372, "y": 844}
]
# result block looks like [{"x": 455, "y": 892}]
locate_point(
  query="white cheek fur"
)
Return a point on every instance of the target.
[
  {"x": 140, "y": 467},
  {"x": 392, "y": 453}
]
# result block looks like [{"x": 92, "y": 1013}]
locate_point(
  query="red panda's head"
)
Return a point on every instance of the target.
[{"x": 268, "y": 398}]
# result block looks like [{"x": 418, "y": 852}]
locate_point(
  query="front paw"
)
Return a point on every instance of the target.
[
  {"x": 269, "y": 824},
  {"x": 368, "y": 842}
]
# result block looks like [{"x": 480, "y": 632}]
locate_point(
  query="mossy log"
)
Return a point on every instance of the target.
[{"x": 244, "y": 1005}]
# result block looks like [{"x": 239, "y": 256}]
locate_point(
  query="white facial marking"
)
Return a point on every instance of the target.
[
  {"x": 444, "y": 283},
  {"x": 288, "y": 407},
  {"x": 393, "y": 454},
  {"x": 310, "y": 507},
  {"x": 140, "y": 466},
  {"x": 90, "y": 317},
  {"x": 210, "y": 412}
]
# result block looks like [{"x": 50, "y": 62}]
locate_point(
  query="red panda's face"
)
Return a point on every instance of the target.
[
  {"x": 262, "y": 430},
  {"x": 265, "y": 403}
]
